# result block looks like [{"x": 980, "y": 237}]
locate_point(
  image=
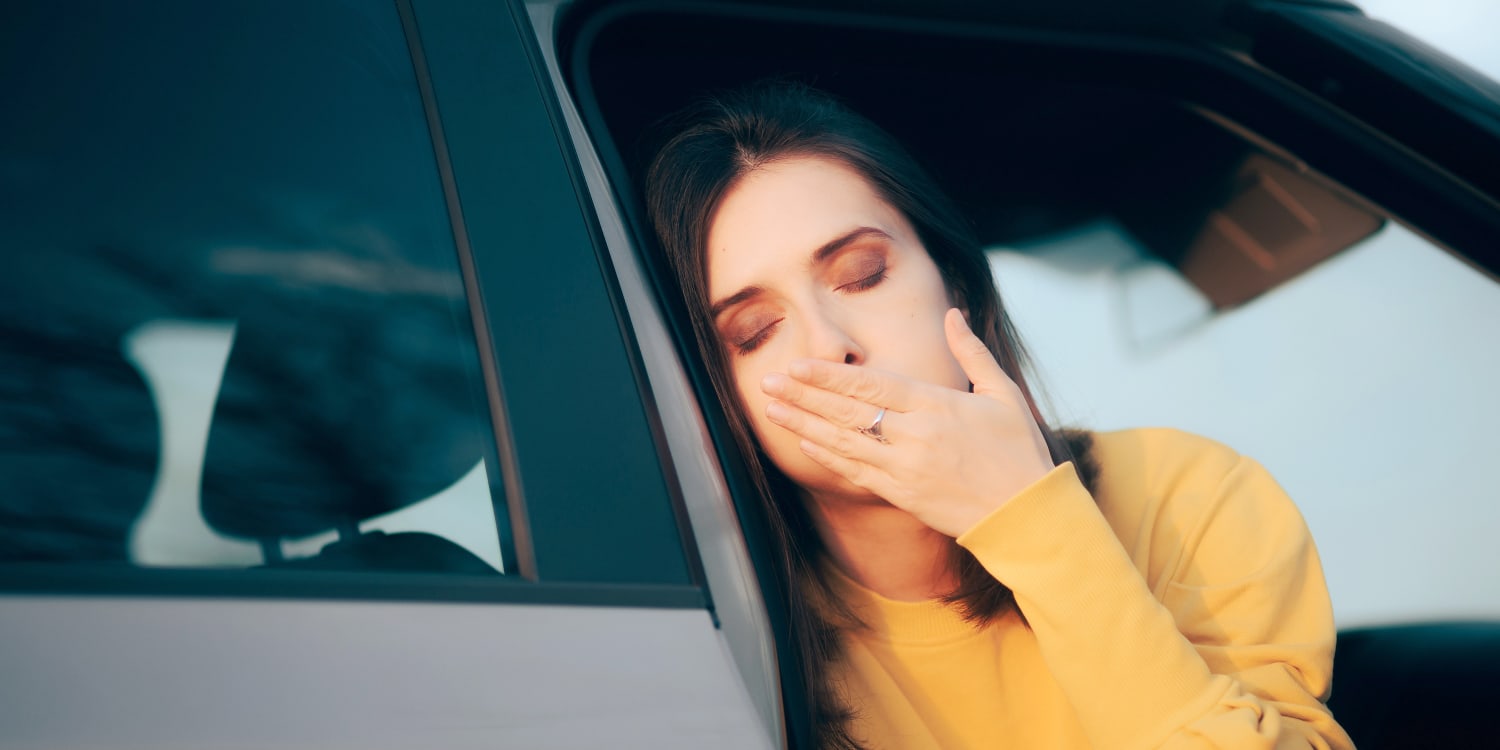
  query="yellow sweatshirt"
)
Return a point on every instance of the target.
[{"x": 1185, "y": 608}]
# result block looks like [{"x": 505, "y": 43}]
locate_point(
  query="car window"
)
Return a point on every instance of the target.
[
  {"x": 1176, "y": 250},
  {"x": 235, "y": 328},
  {"x": 1362, "y": 384}
]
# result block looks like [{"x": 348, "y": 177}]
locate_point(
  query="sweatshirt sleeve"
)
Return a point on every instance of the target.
[{"x": 1233, "y": 646}]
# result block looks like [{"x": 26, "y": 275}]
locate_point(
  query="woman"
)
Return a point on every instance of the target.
[{"x": 965, "y": 576}]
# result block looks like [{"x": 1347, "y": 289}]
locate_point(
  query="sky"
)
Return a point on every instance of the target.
[{"x": 1465, "y": 29}]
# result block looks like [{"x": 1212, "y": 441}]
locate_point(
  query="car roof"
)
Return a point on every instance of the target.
[{"x": 1204, "y": 20}]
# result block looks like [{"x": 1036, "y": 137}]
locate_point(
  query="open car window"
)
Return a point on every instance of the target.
[
  {"x": 1361, "y": 385},
  {"x": 1186, "y": 242}
]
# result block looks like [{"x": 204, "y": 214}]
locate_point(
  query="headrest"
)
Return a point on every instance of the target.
[{"x": 340, "y": 403}]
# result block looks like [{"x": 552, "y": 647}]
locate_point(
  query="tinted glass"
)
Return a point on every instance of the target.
[{"x": 235, "y": 330}]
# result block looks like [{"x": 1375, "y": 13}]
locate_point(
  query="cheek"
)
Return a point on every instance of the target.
[
  {"x": 778, "y": 443},
  {"x": 752, "y": 399},
  {"x": 911, "y": 342}
]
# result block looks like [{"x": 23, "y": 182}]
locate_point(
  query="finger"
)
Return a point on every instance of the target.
[
  {"x": 860, "y": 474},
  {"x": 975, "y": 358},
  {"x": 842, "y": 441},
  {"x": 836, "y": 408},
  {"x": 860, "y": 383}
]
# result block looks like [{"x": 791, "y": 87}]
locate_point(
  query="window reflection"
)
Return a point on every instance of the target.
[{"x": 235, "y": 328}]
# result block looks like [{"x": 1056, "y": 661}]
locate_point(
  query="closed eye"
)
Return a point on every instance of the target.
[
  {"x": 867, "y": 282},
  {"x": 753, "y": 342}
]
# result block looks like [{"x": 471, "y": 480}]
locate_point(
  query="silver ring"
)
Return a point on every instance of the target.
[{"x": 873, "y": 431}]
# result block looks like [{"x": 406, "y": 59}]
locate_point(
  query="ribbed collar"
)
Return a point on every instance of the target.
[{"x": 925, "y": 623}]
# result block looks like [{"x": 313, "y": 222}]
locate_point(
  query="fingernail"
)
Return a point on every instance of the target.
[
  {"x": 799, "y": 370},
  {"x": 777, "y": 411},
  {"x": 774, "y": 384}
]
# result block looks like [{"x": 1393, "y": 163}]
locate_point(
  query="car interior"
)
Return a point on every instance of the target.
[{"x": 1064, "y": 133}]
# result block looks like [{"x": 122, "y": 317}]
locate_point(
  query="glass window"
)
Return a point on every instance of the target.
[
  {"x": 1364, "y": 383},
  {"x": 235, "y": 328}
]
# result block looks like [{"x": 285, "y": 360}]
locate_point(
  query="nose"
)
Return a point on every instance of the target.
[{"x": 829, "y": 338}]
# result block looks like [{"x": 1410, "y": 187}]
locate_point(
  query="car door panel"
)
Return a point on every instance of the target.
[{"x": 142, "y": 672}]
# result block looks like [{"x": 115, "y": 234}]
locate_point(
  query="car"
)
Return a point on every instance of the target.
[{"x": 347, "y": 401}]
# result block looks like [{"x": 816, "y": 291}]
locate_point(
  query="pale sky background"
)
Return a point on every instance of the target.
[{"x": 1466, "y": 29}]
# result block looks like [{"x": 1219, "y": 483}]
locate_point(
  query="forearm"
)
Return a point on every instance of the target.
[{"x": 1134, "y": 678}]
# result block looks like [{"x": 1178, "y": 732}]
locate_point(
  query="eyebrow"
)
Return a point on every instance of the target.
[{"x": 822, "y": 254}]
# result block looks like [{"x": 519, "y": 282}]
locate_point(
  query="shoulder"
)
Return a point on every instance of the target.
[
  {"x": 1167, "y": 492},
  {"x": 1160, "y": 456},
  {"x": 1156, "y": 465}
]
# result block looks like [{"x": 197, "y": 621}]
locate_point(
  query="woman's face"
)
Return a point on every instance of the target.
[{"x": 805, "y": 260}]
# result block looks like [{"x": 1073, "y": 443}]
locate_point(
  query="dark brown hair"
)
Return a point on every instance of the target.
[{"x": 719, "y": 141}]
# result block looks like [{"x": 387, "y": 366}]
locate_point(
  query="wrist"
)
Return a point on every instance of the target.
[{"x": 1061, "y": 478}]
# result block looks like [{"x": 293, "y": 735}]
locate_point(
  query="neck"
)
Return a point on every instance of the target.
[{"x": 884, "y": 548}]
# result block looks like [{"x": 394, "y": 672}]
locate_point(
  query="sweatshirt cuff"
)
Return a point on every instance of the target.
[{"x": 1046, "y": 501}]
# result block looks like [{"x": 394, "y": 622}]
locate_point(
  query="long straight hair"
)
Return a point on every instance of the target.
[{"x": 717, "y": 142}]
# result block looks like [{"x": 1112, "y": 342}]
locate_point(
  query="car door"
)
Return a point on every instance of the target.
[{"x": 322, "y": 422}]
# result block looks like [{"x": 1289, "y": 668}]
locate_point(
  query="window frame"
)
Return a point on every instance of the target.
[
  {"x": 476, "y": 70},
  {"x": 1246, "y": 97}
]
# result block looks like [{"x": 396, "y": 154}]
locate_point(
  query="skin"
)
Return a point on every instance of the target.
[{"x": 830, "y": 309}]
